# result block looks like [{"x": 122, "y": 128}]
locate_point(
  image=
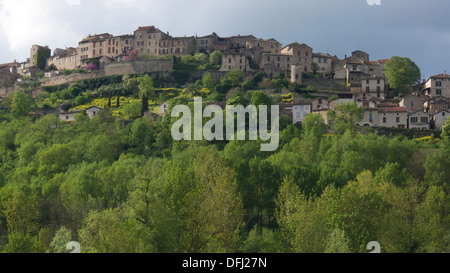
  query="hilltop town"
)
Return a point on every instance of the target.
[{"x": 354, "y": 78}]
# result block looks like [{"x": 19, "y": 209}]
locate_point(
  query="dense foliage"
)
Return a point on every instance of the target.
[{"x": 117, "y": 185}]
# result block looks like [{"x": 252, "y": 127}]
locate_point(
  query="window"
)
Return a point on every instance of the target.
[
  {"x": 367, "y": 89},
  {"x": 325, "y": 61},
  {"x": 424, "y": 120},
  {"x": 397, "y": 119},
  {"x": 443, "y": 114},
  {"x": 367, "y": 81},
  {"x": 438, "y": 83},
  {"x": 413, "y": 119},
  {"x": 384, "y": 119},
  {"x": 378, "y": 81},
  {"x": 299, "y": 115},
  {"x": 370, "y": 117},
  {"x": 438, "y": 91}
]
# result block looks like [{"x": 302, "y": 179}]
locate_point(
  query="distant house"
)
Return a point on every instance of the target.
[
  {"x": 320, "y": 103},
  {"x": 233, "y": 60},
  {"x": 436, "y": 104},
  {"x": 412, "y": 103},
  {"x": 373, "y": 87},
  {"x": 395, "y": 117},
  {"x": 438, "y": 85},
  {"x": 92, "y": 111},
  {"x": 419, "y": 120},
  {"x": 163, "y": 108},
  {"x": 440, "y": 118},
  {"x": 371, "y": 117},
  {"x": 68, "y": 116},
  {"x": 323, "y": 61},
  {"x": 296, "y": 111}
]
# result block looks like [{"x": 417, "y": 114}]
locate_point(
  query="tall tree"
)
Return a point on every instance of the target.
[
  {"x": 146, "y": 91},
  {"x": 402, "y": 73}
]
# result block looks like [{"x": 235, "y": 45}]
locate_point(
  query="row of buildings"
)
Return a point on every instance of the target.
[
  {"x": 244, "y": 52},
  {"x": 424, "y": 110}
]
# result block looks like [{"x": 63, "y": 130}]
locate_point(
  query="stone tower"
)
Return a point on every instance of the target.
[{"x": 296, "y": 74}]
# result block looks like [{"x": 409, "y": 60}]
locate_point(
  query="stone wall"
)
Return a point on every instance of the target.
[
  {"x": 138, "y": 67},
  {"x": 326, "y": 84},
  {"x": 120, "y": 68},
  {"x": 5, "y": 91}
]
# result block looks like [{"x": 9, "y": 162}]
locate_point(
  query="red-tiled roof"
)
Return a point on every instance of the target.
[
  {"x": 392, "y": 109},
  {"x": 441, "y": 76}
]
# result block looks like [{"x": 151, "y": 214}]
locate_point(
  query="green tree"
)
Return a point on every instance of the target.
[
  {"x": 314, "y": 68},
  {"x": 108, "y": 232},
  {"x": 337, "y": 243},
  {"x": 21, "y": 104},
  {"x": 345, "y": 117},
  {"x": 215, "y": 58},
  {"x": 208, "y": 80},
  {"x": 214, "y": 209},
  {"x": 446, "y": 129},
  {"x": 59, "y": 243},
  {"x": 235, "y": 77},
  {"x": 22, "y": 213},
  {"x": 146, "y": 91},
  {"x": 402, "y": 73}
]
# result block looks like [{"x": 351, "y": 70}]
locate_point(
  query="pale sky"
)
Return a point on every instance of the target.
[{"x": 418, "y": 29}]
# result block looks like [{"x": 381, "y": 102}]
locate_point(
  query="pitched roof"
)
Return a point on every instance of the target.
[
  {"x": 441, "y": 76},
  {"x": 392, "y": 109}
]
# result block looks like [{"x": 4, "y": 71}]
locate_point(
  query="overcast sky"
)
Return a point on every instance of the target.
[{"x": 418, "y": 29}]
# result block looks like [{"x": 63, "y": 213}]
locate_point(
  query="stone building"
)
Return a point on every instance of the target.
[
  {"x": 234, "y": 60},
  {"x": 98, "y": 45},
  {"x": 373, "y": 87},
  {"x": 33, "y": 51},
  {"x": 210, "y": 43},
  {"x": 419, "y": 120},
  {"x": 436, "y": 104},
  {"x": 301, "y": 54},
  {"x": 438, "y": 85},
  {"x": 323, "y": 61},
  {"x": 279, "y": 62},
  {"x": 412, "y": 103},
  {"x": 8, "y": 74},
  {"x": 440, "y": 118},
  {"x": 266, "y": 46},
  {"x": 394, "y": 117},
  {"x": 65, "y": 59}
]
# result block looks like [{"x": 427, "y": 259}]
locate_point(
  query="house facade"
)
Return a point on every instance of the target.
[
  {"x": 373, "y": 87},
  {"x": 301, "y": 54},
  {"x": 411, "y": 102},
  {"x": 394, "y": 117},
  {"x": 419, "y": 120},
  {"x": 323, "y": 61},
  {"x": 233, "y": 60},
  {"x": 439, "y": 119},
  {"x": 438, "y": 85}
]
